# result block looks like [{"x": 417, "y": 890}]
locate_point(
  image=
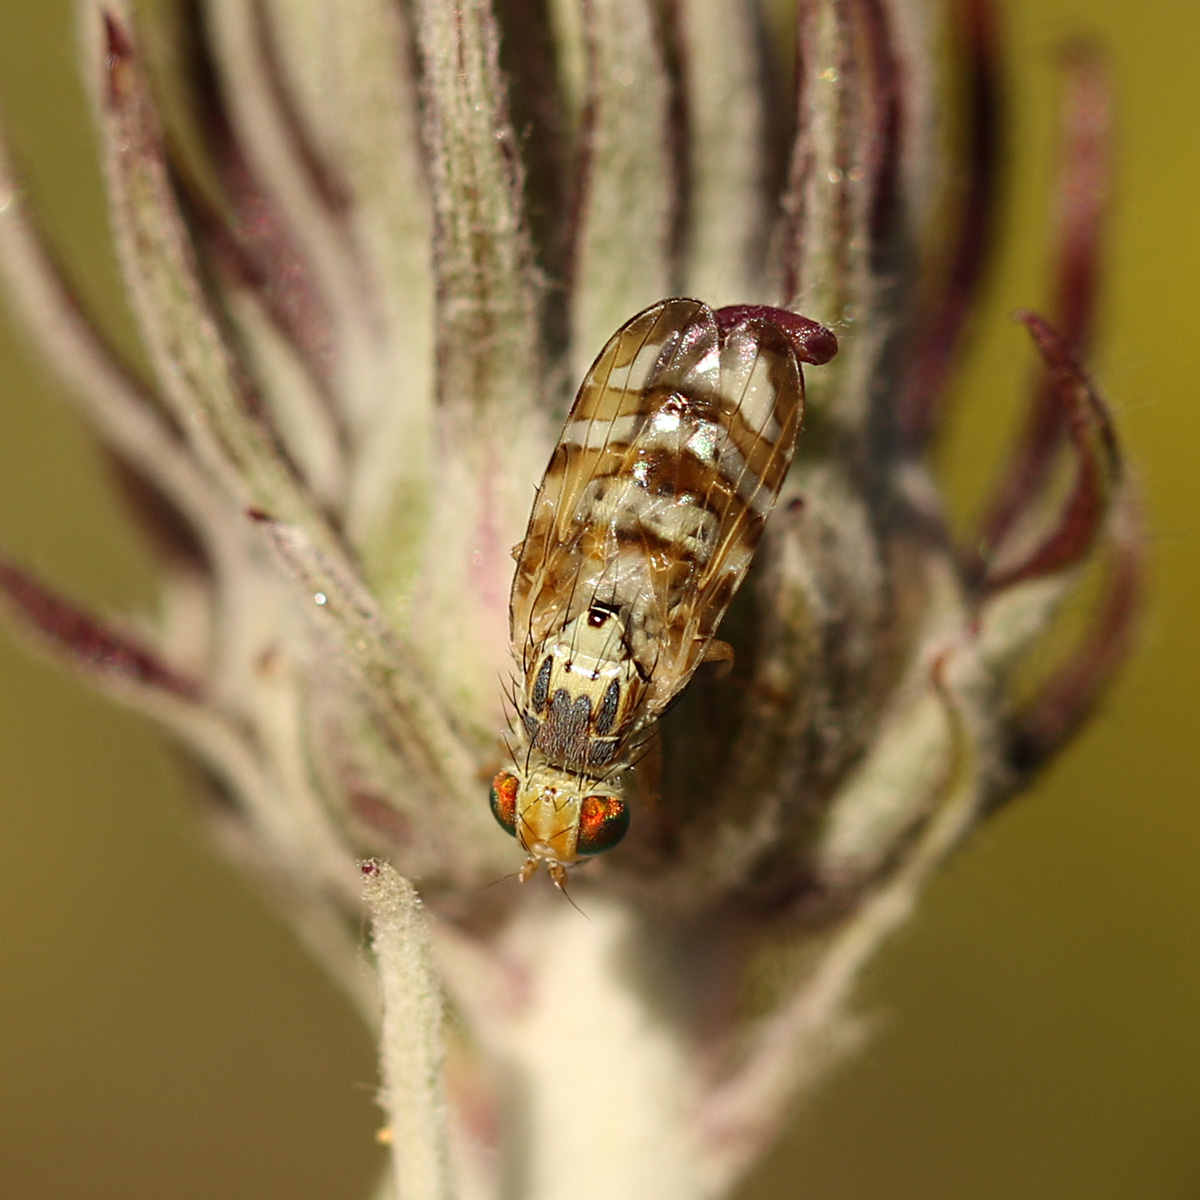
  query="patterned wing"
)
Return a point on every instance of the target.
[
  {"x": 732, "y": 459},
  {"x": 670, "y": 339},
  {"x": 658, "y": 491}
]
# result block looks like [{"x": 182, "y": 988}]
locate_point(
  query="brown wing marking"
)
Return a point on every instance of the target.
[
  {"x": 761, "y": 397},
  {"x": 659, "y": 489},
  {"x": 670, "y": 344}
]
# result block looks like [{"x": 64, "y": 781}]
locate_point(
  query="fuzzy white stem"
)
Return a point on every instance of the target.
[
  {"x": 412, "y": 1047},
  {"x": 608, "y": 1086}
]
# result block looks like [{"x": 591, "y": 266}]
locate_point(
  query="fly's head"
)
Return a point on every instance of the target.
[{"x": 558, "y": 817}]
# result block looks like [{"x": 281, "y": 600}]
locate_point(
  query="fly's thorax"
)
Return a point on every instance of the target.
[
  {"x": 583, "y": 691},
  {"x": 558, "y": 816}
]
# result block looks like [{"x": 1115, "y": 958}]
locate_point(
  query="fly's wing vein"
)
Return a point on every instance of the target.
[
  {"x": 658, "y": 491},
  {"x": 760, "y": 404},
  {"x": 563, "y": 554}
]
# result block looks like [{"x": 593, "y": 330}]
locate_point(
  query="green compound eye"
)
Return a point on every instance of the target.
[
  {"x": 603, "y": 822},
  {"x": 504, "y": 801}
]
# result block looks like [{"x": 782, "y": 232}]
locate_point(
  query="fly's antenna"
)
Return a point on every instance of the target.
[
  {"x": 560, "y": 882},
  {"x": 483, "y": 887}
]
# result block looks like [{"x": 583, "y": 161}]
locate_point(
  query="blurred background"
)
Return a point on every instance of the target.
[{"x": 161, "y": 1035}]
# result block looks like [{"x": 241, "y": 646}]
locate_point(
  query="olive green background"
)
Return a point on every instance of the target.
[{"x": 161, "y": 1035}]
